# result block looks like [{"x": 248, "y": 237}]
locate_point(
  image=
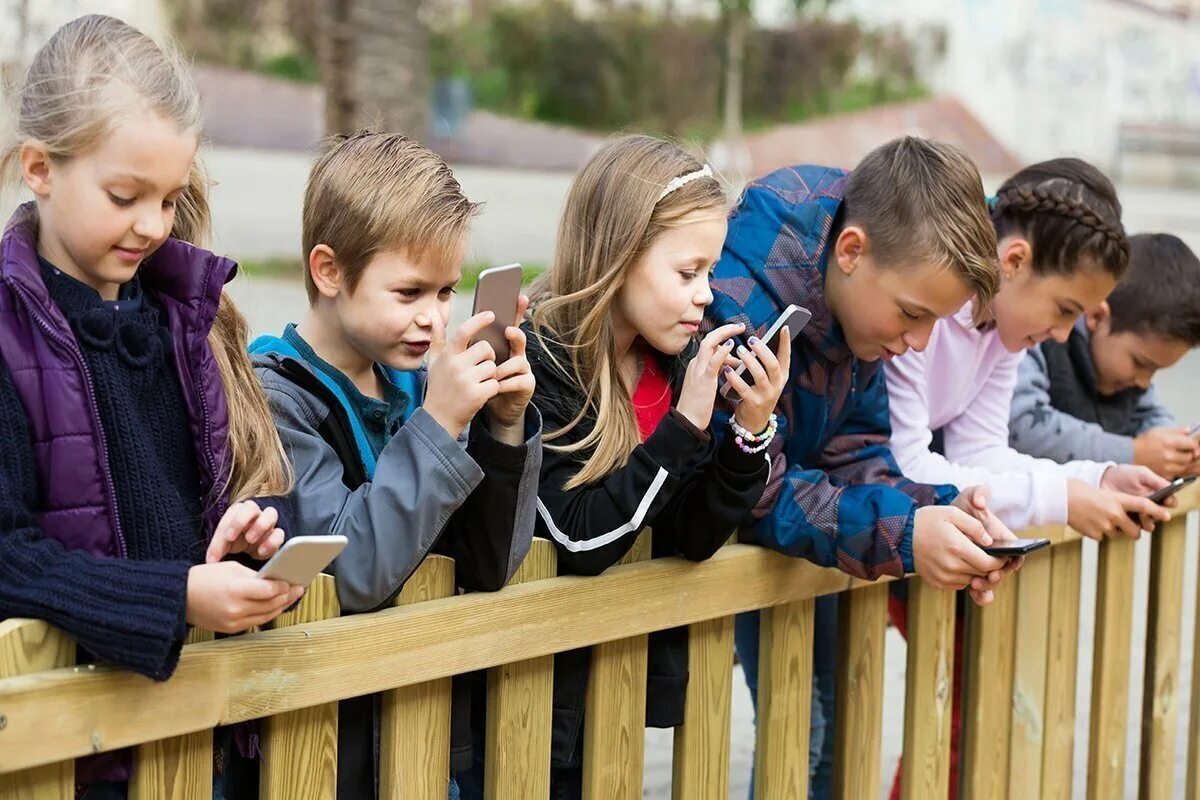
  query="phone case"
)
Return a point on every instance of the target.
[
  {"x": 302, "y": 558},
  {"x": 498, "y": 290}
]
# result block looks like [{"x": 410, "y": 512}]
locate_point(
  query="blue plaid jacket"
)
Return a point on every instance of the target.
[{"x": 836, "y": 495}]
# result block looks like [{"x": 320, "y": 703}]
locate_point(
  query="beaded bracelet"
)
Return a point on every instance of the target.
[{"x": 752, "y": 443}]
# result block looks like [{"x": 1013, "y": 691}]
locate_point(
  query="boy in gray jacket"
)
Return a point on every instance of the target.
[
  {"x": 401, "y": 460},
  {"x": 1091, "y": 397}
]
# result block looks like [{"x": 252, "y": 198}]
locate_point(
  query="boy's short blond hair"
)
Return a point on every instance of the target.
[
  {"x": 922, "y": 201},
  {"x": 373, "y": 192}
]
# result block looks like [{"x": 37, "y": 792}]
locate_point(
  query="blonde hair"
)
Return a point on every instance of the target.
[
  {"x": 613, "y": 215},
  {"x": 922, "y": 200},
  {"x": 90, "y": 72},
  {"x": 371, "y": 192}
]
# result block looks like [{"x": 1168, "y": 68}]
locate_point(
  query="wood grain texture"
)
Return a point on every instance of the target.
[
  {"x": 929, "y": 691},
  {"x": 785, "y": 671},
  {"x": 700, "y": 766},
  {"x": 988, "y": 675},
  {"x": 862, "y": 622},
  {"x": 1062, "y": 666},
  {"x": 1110, "y": 670}
]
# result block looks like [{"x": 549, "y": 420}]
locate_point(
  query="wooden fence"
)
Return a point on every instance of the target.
[{"x": 1018, "y": 718}]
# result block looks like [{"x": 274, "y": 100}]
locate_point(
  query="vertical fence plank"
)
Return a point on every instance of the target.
[
  {"x": 300, "y": 747},
  {"x": 180, "y": 768},
  {"x": 1164, "y": 629},
  {"x": 988, "y": 675},
  {"x": 862, "y": 622},
  {"x": 1062, "y": 664},
  {"x": 1110, "y": 670},
  {"x": 414, "y": 727},
  {"x": 614, "y": 721},
  {"x": 925, "y": 763},
  {"x": 26, "y": 646},
  {"x": 1030, "y": 659},
  {"x": 520, "y": 709},
  {"x": 1193, "y": 740},
  {"x": 700, "y": 764},
  {"x": 785, "y": 678}
]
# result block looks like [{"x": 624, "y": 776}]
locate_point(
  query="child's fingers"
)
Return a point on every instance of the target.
[
  {"x": 437, "y": 340},
  {"x": 517, "y": 365},
  {"x": 517, "y": 384},
  {"x": 982, "y": 598},
  {"x": 461, "y": 340},
  {"x": 261, "y": 589},
  {"x": 516, "y": 342},
  {"x": 739, "y": 385},
  {"x": 753, "y": 366},
  {"x": 270, "y": 545},
  {"x": 522, "y": 307},
  {"x": 768, "y": 359},
  {"x": 720, "y": 358},
  {"x": 718, "y": 335},
  {"x": 262, "y": 526},
  {"x": 480, "y": 353},
  {"x": 482, "y": 372},
  {"x": 784, "y": 353}
]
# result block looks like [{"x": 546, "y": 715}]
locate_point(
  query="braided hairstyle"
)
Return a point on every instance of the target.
[{"x": 1068, "y": 211}]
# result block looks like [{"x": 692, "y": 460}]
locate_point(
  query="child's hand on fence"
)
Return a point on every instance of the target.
[
  {"x": 770, "y": 372},
  {"x": 462, "y": 376},
  {"x": 1168, "y": 451},
  {"x": 506, "y": 411},
  {"x": 228, "y": 597},
  {"x": 246, "y": 528},
  {"x": 946, "y": 554},
  {"x": 699, "y": 392},
  {"x": 1097, "y": 513}
]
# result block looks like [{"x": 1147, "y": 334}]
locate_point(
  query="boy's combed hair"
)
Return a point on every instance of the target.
[
  {"x": 80, "y": 84},
  {"x": 372, "y": 192},
  {"x": 613, "y": 215},
  {"x": 922, "y": 201},
  {"x": 1161, "y": 291},
  {"x": 1069, "y": 212}
]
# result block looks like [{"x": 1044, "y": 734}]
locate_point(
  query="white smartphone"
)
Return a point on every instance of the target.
[
  {"x": 795, "y": 318},
  {"x": 498, "y": 290},
  {"x": 302, "y": 558}
]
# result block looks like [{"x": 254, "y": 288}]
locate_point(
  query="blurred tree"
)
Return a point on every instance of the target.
[{"x": 374, "y": 64}]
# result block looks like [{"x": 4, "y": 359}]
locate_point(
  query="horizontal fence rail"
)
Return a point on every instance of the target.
[{"x": 1016, "y": 682}]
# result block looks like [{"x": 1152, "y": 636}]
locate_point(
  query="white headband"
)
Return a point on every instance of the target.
[{"x": 684, "y": 180}]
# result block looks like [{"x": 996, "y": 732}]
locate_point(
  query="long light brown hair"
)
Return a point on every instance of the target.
[
  {"x": 613, "y": 215},
  {"x": 76, "y": 89}
]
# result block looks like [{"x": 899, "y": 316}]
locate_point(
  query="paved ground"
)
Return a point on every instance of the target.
[{"x": 519, "y": 223}]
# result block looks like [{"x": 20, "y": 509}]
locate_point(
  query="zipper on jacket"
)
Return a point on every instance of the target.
[{"x": 90, "y": 391}]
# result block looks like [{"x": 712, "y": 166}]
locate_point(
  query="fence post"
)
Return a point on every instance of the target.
[
  {"x": 1030, "y": 662},
  {"x": 1110, "y": 670},
  {"x": 520, "y": 708},
  {"x": 29, "y": 645},
  {"x": 414, "y": 726},
  {"x": 614, "y": 721},
  {"x": 862, "y": 622},
  {"x": 1062, "y": 664},
  {"x": 1164, "y": 628},
  {"x": 180, "y": 768},
  {"x": 785, "y": 678},
  {"x": 300, "y": 747},
  {"x": 929, "y": 692},
  {"x": 987, "y": 707},
  {"x": 700, "y": 765}
]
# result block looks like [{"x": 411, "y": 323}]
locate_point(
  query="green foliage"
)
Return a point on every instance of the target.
[{"x": 624, "y": 67}]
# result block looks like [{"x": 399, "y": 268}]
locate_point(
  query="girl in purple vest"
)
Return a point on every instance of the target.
[{"x": 133, "y": 433}]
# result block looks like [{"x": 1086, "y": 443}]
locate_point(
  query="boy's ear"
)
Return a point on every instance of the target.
[
  {"x": 851, "y": 243},
  {"x": 324, "y": 270},
  {"x": 35, "y": 167},
  {"x": 1015, "y": 255},
  {"x": 1097, "y": 316}
]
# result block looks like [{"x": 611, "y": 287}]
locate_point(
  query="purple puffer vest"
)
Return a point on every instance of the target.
[{"x": 55, "y": 386}]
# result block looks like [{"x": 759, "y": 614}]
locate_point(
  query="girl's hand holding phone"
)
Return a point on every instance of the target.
[
  {"x": 246, "y": 528},
  {"x": 228, "y": 597},
  {"x": 769, "y": 371},
  {"x": 699, "y": 393}
]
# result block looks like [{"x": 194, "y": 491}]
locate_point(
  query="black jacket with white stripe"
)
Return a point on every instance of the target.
[{"x": 690, "y": 490}]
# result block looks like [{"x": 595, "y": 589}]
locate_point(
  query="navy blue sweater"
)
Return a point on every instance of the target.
[{"x": 130, "y": 612}]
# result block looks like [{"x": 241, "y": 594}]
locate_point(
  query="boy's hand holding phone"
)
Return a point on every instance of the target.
[
  {"x": 462, "y": 376},
  {"x": 946, "y": 546},
  {"x": 1167, "y": 451},
  {"x": 1097, "y": 513},
  {"x": 506, "y": 410},
  {"x": 769, "y": 371}
]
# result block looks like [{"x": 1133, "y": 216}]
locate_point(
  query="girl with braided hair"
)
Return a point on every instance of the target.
[{"x": 1062, "y": 249}]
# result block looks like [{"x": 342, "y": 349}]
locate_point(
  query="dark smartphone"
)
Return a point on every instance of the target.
[
  {"x": 794, "y": 318},
  {"x": 498, "y": 290},
  {"x": 1171, "y": 488},
  {"x": 1017, "y": 547}
]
